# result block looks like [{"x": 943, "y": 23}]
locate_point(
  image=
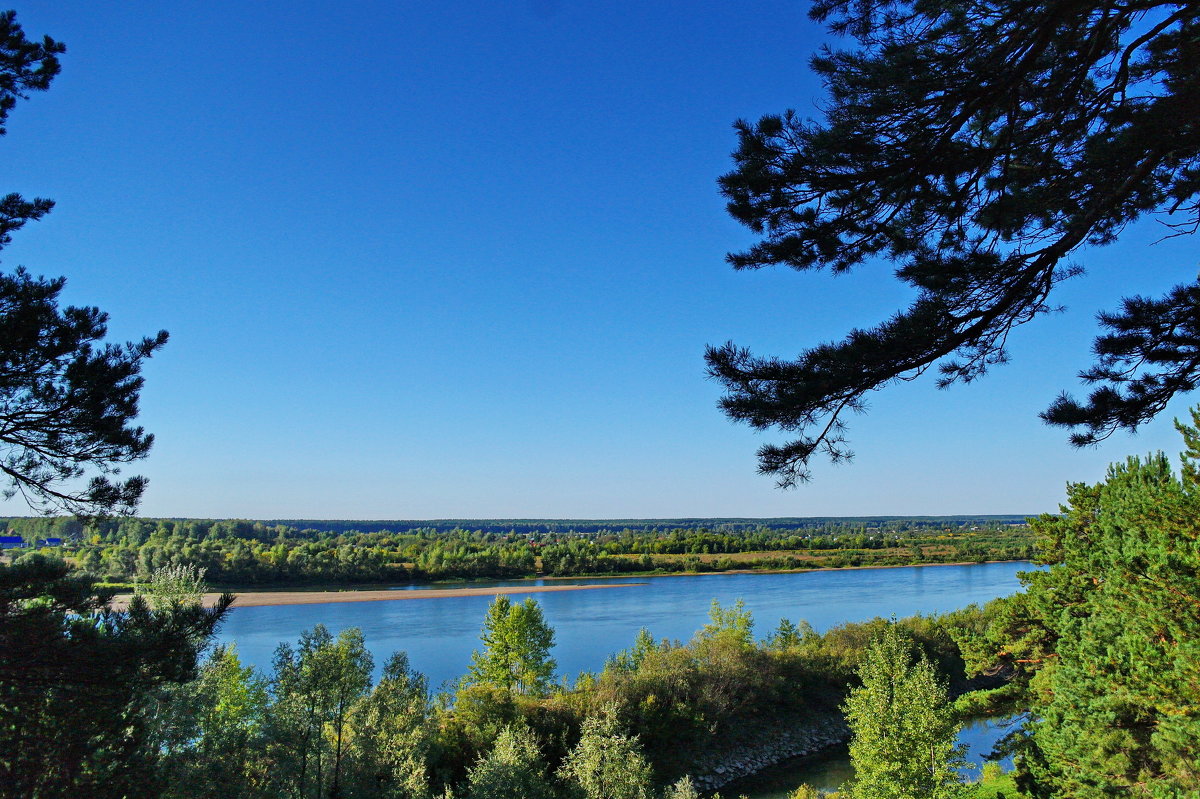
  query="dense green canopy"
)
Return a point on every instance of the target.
[{"x": 1104, "y": 647}]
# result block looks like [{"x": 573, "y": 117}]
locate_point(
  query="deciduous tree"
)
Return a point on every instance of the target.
[
  {"x": 516, "y": 654},
  {"x": 315, "y": 686},
  {"x": 392, "y": 735},
  {"x": 606, "y": 763},
  {"x": 210, "y": 730},
  {"x": 904, "y": 730},
  {"x": 513, "y": 768}
]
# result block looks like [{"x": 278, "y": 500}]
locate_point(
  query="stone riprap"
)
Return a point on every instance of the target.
[{"x": 768, "y": 746}]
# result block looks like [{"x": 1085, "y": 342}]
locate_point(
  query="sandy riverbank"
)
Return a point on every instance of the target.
[{"x": 249, "y": 599}]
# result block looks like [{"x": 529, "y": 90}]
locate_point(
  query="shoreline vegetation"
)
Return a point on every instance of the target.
[
  {"x": 704, "y": 712},
  {"x": 254, "y": 556}
]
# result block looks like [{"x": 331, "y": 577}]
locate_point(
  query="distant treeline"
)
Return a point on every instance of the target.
[
  {"x": 239, "y": 552},
  {"x": 585, "y": 526}
]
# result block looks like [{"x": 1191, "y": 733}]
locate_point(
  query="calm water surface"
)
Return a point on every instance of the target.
[{"x": 440, "y": 634}]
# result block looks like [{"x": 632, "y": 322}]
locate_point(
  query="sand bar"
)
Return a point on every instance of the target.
[{"x": 249, "y": 599}]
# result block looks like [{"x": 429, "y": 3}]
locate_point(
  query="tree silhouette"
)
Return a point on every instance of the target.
[
  {"x": 67, "y": 401},
  {"x": 975, "y": 144}
]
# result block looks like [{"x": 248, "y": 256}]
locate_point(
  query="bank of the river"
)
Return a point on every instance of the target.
[
  {"x": 830, "y": 768},
  {"x": 258, "y": 596},
  {"x": 806, "y": 749},
  {"x": 767, "y": 744},
  {"x": 251, "y": 599},
  {"x": 441, "y": 628}
]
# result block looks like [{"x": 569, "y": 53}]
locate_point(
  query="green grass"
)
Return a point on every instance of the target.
[{"x": 1002, "y": 787}]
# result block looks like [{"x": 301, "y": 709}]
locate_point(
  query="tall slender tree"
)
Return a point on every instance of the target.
[{"x": 78, "y": 677}]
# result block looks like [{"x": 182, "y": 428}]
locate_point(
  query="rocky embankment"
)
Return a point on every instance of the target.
[{"x": 766, "y": 746}]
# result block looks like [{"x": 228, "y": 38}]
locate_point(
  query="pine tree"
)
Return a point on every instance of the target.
[
  {"x": 976, "y": 145},
  {"x": 80, "y": 682},
  {"x": 67, "y": 402},
  {"x": 1104, "y": 646}
]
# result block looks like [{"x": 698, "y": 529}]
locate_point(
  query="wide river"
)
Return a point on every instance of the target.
[{"x": 439, "y": 634}]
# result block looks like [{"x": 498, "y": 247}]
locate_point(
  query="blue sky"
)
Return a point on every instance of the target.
[{"x": 462, "y": 259}]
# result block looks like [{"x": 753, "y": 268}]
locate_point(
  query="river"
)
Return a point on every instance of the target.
[{"x": 439, "y": 634}]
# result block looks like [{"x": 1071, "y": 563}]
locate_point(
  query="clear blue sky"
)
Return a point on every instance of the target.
[{"x": 461, "y": 259}]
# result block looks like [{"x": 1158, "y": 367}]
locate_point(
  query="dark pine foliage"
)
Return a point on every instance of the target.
[
  {"x": 66, "y": 401},
  {"x": 975, "y": 144}
]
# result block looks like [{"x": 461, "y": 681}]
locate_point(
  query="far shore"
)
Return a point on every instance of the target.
[
  {"x": 300, "y": 596},
  {"x": 250, "y": 599}
]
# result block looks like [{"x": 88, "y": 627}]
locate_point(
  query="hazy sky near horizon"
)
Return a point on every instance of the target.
[{"x": 461, "y": 260}]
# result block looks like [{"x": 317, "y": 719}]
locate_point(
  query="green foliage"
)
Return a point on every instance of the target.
[
  {"x": 606, "y": 763},
  {"x": 904, "y": 730},
  {"x": 994, "y": 784},
  {"x": 991, "y": 772},
  {"x": 976, "y": 146},
  {"x": 734, "y": 623},
  {"x": 789, "y": 635},
  {"x": 470, "y": 726},
  {"x": 210, "y": 729},
  {"x": 682, "y": 789},
  {"x": 182, "y": 584},
  {"x": 392, "y": 735},
  {"x": 1104, "y": 646},
  {"x": 315, "y": 729},
  {"x": 267, "y": 553},
  {"x": 516, "y": 654},
  {"x": 512, "y": 769},
  {"x": 80, "y": 682},
  {"x": 315, "y": 686},
  {"x": 631, "y": 659},
  {"x": 805, "y": 792}
]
